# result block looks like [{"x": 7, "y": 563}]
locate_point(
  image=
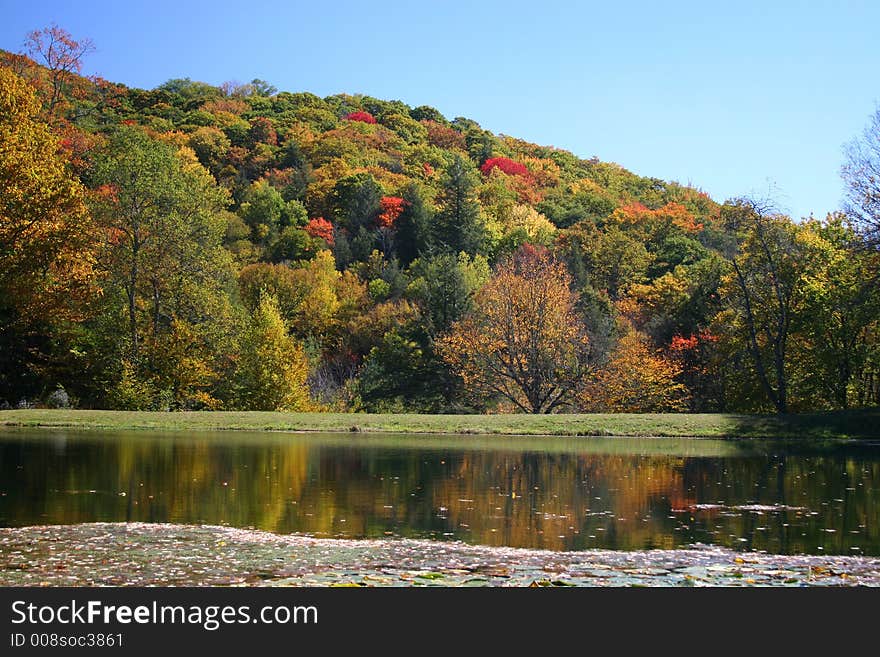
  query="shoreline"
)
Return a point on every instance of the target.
[{"x": 853, "y": 425}]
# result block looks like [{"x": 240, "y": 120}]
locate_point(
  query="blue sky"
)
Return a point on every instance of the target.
[{"x": 735, "y": 97}]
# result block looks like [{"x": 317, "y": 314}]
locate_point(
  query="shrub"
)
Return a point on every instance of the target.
[{"x": 58, "y": 399}]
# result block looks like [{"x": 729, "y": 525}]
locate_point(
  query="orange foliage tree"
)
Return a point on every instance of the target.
[
  {"x": 523, "y": 340},
  {"x": 320, "y": 228},
  {"x": 636, "y": 379},
  {"x": 392, "y": 207},
  {"x": 655, "y": 223}
]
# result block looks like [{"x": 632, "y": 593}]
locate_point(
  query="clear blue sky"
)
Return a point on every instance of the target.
[{"x": 735, "y": 97}]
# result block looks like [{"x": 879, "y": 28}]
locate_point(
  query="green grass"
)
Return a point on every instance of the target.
[{"x": 848, "y": 424}]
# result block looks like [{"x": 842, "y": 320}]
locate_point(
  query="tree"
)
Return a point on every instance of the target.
[
  {"x": 362, "y": 117},
  {"x": 768, "y": 259},
  {"x": 356, "y": 201},
  {"x": 444, "y": 286},
  {"x": 523, "y": 340},
  {"x": 636, "y": 379},
  {"x": 273, "y": 368},
  {"x": 861, "y": 175},
  {"x": 62, "y": 56},
  {"x": 840, "y": 324},
  {"x": 321, "y": 229},
  {"x": 413, "y": 226},
  {"x": 161, "y": 217},
  {"x": 458, "y": 226},
  {"x": 391, "y": 208},
  {"x": 46, "y": 234},
  {"x": 505, "y": 164}
]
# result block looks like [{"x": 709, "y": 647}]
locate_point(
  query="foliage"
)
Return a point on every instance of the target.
[
  {"x": 47, "y": 241},
  {"x": 320, "y": 228},
  {"x": 392, "y": 207},
  {"x": 505, "y": 164},
  {"x": 141, "y": 229},
  {"x": 523, "y": 340},
  {"x": 362, "y": 117},
  {"x": 272, "y": 368},
  {"x": 636, "y": 379},
  {"x": 458, "y": 225},
  {"x": 765, "y": 290}
]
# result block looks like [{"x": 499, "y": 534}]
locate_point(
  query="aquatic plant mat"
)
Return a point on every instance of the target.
[{"x": 140, "y": 554}]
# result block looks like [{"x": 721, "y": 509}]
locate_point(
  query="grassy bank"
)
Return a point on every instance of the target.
[{"x": 850, "y": 424}]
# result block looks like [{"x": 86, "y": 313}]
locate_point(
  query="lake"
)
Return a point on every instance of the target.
[{"x": 561, "y": 494}]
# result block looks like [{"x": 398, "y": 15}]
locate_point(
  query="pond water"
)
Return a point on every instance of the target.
[{"x": 560, "y": 494}]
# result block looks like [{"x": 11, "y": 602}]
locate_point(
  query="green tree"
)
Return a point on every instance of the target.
[
  {"x": 356, "y": 201},
  {"x": 840, "y": 323},
  {"x": 769, "y": 257},
  {"x": 444, "y": 286},
  {"x": 413, "y": 236},
  {"x": 458, "y": 225},
  {"x": 161, "y": 214}
]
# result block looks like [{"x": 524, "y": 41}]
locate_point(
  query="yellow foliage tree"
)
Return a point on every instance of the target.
[
  {"x": 45, "y": 230},
  {"x": 318, "y": 302},
  {"x": 273, "y": 367}
]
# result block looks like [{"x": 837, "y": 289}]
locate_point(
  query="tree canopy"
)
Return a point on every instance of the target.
[{"x": 379, "y": 256}]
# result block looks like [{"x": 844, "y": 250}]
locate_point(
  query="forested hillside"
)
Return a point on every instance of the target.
[{"x": 240, "y": 247}]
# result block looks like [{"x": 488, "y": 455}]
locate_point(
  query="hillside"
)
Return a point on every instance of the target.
[{"x": 248, "y": 248}]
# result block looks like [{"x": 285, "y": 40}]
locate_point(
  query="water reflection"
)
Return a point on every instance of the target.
[{"x": 555, "y": 494}]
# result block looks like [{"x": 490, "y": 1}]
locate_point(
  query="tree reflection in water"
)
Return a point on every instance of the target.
[{"x": 554, "y": 494}]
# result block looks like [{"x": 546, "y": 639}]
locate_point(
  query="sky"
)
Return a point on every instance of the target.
[{"x": 736, "y": 98}]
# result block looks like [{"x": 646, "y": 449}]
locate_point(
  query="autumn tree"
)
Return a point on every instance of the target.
[
  {"x": 636, "y": 379},
  {"x": 273, "y": 368},
  {"x": 391, "y": 208},
  {"x": 505, "y": 164},
  {"x": 320, "y": 228},
  {"x": 523, "y": 340},
  {"x": 46, "y": 247},
  {"x": 62, "y": 56},
  {"x": 362, "y": 117}
]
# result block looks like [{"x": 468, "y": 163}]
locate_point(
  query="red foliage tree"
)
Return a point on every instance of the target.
[
  {"x": 506, "y": 165},
  {"x": 320, "y": 228},
  {"x": 392, "y": 206},
  {"x": 363, "y": 117}
]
